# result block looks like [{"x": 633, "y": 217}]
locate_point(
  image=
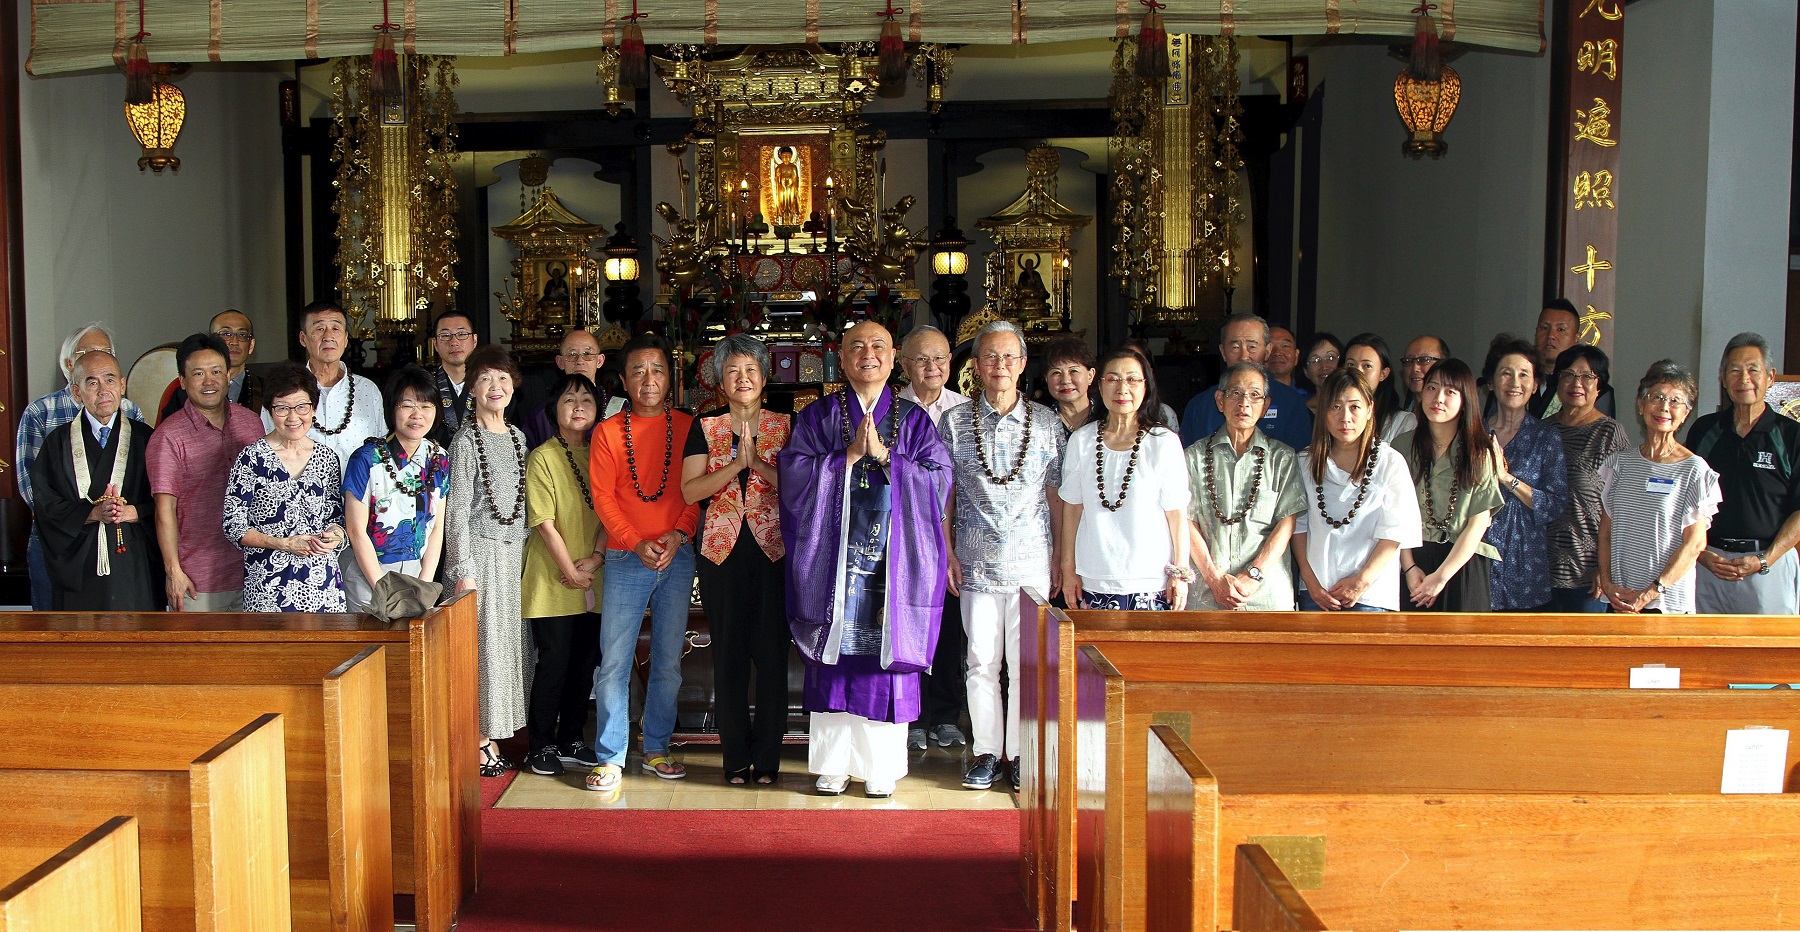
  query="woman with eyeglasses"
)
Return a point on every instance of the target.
[
  {"x": 1370, "y": 354},
  {"x": 1452, "y": 462},
  {"x": 1125, "y": 489},
  {"x": 1245, "y": 492},
  {"x": 1534, "y": 479},
  {"x": 1589, "y": 439},
  {"x": 1361, "y": 510},
  {"x": 1323, "y": 355},
  {"x": 394, "y": 493},
  {"x": 284, "y": 506},
  {"x": 1657, "y": 501}
]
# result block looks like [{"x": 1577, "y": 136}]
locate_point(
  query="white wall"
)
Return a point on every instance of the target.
[
  {"x": 1453, "y": 246},
  {"x": 153, "y": 256}
]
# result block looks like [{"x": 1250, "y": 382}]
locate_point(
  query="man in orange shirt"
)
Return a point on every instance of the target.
[{"x": 636, "y": 474}]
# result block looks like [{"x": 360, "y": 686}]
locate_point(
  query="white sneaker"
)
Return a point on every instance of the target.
[
  {"x": 877, "y": 790},
  {"x": 831, "y": 786}
]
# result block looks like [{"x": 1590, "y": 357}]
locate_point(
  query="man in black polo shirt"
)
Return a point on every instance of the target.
[{"x": 1749, "y": 563}]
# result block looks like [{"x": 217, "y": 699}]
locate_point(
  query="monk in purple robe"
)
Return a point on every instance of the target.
[{"x": 864, "y": 482}]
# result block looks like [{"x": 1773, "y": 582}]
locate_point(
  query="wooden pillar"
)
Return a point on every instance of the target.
[
  {"x": 13, "y": 396},
  {"x": 1582, "y": 237}
]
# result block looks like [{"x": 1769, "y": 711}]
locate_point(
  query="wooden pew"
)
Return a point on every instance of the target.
[
  {"x": 212, "y": 827},
  {"x": 434, "y": 787},
  {"x": 1428, "y": 649},
  {"x": 90, "y": 886},
  {"x": 1469, "y": 807},
  {"x": 335, "y": 782},
  {"x": 1263, "y": 900}
]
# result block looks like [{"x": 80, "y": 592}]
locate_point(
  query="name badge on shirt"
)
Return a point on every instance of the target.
[
  {"x": 1271, "y": 414},
  {"x": 1656, "y": 486}
]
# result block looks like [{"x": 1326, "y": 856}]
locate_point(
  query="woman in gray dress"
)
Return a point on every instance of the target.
[{"x": 484, "y": 536}]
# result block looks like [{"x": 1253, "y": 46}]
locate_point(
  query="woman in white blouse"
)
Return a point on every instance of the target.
[
  {"x": 1361, "y": 510},
  {"x": 1126, "y": 493}
]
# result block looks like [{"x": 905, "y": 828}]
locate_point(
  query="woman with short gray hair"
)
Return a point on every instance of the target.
[
  {"x": 1657, "y": 501},
  {"x": 729, "y": 464}
]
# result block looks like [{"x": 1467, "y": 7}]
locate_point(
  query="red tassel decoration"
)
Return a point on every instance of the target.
[
  {"x": 1153, "y": 44},
  {"x": 384, "y": 64},
  {"x": 139, "y": 87},
  {"x": 890, "y": 67},
  {"x": 1426, "y": 62},
  {"x": 634, "y": 57}
]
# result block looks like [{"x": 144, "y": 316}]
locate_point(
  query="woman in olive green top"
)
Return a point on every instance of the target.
[
  {"x": 1452, "y": 464},
  {"x": 564, "y": 558}
]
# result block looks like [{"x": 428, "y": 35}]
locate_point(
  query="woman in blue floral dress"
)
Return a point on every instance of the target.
[
  {"x": 284, "y": 506},
  {"x": 1533, "y": 476}
]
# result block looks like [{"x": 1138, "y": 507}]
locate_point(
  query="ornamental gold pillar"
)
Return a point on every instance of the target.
[{"x": 1582, "y": 236}]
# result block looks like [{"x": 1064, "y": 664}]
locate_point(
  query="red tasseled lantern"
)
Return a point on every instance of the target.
[
  {"x": 139, "y": 88},
  {"x": 890, "y": 70},
  {"x": 634, "y": 57},
  {"x": 1426, "y": 63},
  {"x": 1153, "y": 44}
]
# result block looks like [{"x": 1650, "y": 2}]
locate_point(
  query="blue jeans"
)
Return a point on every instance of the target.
[
  {"x": 1308, "y": 605},
  {"x": 39, "y": 572},
  {"x": 1574, "y": 600},
  {"x": 630, "y": 588}
]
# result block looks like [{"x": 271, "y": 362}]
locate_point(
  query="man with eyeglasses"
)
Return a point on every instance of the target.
[
  {"x": 349, "y": 412},
  {"x": 39, "y": 418},
  {"x": 1421, "y": 354},
  {"x": 1244, "y": 337},
  {"x": 578, "y": 354},
  {"x": 453, "y": 338},
  {"x": 244, "y": 388},
  {"x": 925, "y": 357},
  {"x": 190, "y": 457},
  {"x": 1749, "y": 565},
  {"x": 1004, "y": 521}
]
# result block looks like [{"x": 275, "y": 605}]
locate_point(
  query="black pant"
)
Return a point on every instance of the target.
[
  {"x": 568, "y": 648},
  {"x": 945, "y": 690},
  {"x": 1467, "y": 591},
  {"x": 746, "y": 606}
]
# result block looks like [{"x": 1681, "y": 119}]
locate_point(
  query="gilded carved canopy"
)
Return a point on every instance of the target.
[{"x": 72, "y": 35}]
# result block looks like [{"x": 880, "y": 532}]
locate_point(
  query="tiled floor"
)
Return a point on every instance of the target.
[{"x": 934, "y": 781}]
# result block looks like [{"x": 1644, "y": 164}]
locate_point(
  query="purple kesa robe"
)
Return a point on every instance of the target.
[{"x": 814, "y": 500}]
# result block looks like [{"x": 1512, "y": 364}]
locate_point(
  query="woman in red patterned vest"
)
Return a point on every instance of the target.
[{"x": 729, "y": 464}]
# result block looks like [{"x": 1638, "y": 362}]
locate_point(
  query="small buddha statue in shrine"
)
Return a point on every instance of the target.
[{"x": 1030, "y": 295}]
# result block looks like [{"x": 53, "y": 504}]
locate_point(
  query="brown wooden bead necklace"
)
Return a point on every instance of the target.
[
  {"x": 1362, "y": 490},
  {"x": 386, "y": 458},
  {"x": 1431, "y": 506},
  {"x": 581, "y": 481},
  {"x": 1249, "y": 501},
  {"x": 668, "y": 456},
  {"x": 1100, "y": 467},
  {"x": 893, "y": 435},
  {"x": 487, "y": 482},
  {"x": 1018, "y": 466},
  {"x": 349, "y": 409}
]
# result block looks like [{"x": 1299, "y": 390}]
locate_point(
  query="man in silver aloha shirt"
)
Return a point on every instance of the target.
[
  {"x": 1246, "y": 492},
  {"x": 1003, "y": 527}
]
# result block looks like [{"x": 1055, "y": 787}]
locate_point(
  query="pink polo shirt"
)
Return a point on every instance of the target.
[{"x": 190, "y": 459}]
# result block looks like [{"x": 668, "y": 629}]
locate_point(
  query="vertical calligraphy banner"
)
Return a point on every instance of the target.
[{"x": 1584, "y": 173}]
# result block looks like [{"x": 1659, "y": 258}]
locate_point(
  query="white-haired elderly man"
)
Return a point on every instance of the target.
[
  {"x": 1004, "y": 522},
  {"x": 1749, "y": 564},
  {"x": 39, "y": 419}
]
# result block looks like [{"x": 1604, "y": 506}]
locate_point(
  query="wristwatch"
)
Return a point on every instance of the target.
[
  {"x": 1513, "y": 486},
  {"x": 1254, "y": 573}
]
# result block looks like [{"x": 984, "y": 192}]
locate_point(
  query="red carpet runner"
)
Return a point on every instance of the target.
[{"x": 869, "y": 871}]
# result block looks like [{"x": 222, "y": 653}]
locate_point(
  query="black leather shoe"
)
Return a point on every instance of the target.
[
  {"x": 544, "y": 762},
  {"x": 981, "y": 775}
]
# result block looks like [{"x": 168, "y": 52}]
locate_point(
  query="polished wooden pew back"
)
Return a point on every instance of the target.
[{"x": 90, "y": 886}]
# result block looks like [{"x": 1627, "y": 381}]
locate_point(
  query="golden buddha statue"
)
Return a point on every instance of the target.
[{"x": 785, "y": 179}]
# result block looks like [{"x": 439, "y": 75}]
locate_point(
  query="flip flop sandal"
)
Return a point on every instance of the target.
[
  {"x": 664, "y": 766},
  {"x": 606, "y": 779}
]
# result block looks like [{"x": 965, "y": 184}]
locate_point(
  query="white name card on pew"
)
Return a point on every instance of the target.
[
  {"x": 1655, "y": 676},
  {"x": 1755, "y": 760}
]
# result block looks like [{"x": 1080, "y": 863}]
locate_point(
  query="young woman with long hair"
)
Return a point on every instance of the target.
[
  {"x": 1370, "y": 354},
  {"x": 1452, "y": 462}
]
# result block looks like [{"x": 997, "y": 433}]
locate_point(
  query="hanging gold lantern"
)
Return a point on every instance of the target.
[
  {"x": 156, "y": 125},
  {"x": 1426, "y": 108}
]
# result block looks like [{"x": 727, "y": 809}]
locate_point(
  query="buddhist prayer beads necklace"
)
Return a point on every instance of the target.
[
  {"x": 1249, "y": 501},
  {"x": 1018, "y": 466},
  {"x": 580, "y": 480},
  {"x": 631, "y": 457},
  {"x": 1362, "y": 490},
  {"x": 349, "y": 407},
  {"x": 386, "y": 458},
  {"x": 487, "y": 484},
  {"x": 893, "y": 424},
  {"x": 1100, "y": 468}
]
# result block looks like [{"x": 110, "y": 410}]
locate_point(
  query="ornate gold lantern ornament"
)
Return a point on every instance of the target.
[
  {"x": 1427, "y": 91},
  {"x": 156, "y": 125}
]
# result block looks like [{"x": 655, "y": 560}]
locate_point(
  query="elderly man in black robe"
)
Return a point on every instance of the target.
[{"x": 91, "y": 491}]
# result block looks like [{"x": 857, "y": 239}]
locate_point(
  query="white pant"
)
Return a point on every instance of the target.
[
  {"x": 991, "y": 621},
  {"x": 1774, "y": 593},
  {"x": 843, "y": 744}
]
